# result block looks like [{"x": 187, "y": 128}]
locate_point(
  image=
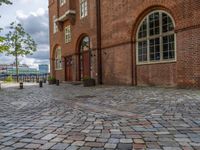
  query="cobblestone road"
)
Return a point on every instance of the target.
[{"x": 103, "y": 117}]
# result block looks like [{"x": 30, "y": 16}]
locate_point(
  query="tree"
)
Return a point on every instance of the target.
[
  {"x": 2, "y": 39},
  {"x": 5, "y": 2},
  {"x": 20, "y": 43},
  {"x": 3, "y": 47}
]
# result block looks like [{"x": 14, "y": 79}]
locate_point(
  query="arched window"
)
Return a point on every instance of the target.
[
  {"x": 156, "y": 38},
  {"x": 85, "y": 44},
  {"x": 84, "y": 57},
  {"x": 58, "y": 58}
]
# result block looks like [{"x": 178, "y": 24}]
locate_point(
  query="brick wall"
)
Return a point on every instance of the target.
[{"x": 120, "y": 20}]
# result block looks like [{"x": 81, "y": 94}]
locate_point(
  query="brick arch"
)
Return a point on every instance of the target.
[
  {"x": 144, "y": 13},
  {"x": 82, "y": 63},
  {"x": 52, "y": 57},
  {"x": 53, "y": 51},
  {"x": 79, "y": 41}
]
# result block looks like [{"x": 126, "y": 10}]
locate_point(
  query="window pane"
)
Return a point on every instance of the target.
[
  {"x": 168, "y": 47},
  {"x": 58, "y": 58},
  {"x": 154, "y": 24},
  {"x": 167, "y": 23},
  {"x": 83, "y": 8},
  {"x": 142, "y": 51},
  {"x": 154, "y": 49},
  {"x": 143, "y": 29}
]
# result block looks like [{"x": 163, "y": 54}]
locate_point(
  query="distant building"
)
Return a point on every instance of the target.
[
  {"x": 11, "y": 70},
  {"x": 44, "y": 68}
]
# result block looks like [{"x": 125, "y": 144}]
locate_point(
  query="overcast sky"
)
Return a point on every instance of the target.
[{"x": 33, "y": 15}]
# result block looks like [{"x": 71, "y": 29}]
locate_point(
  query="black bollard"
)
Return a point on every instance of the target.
[
  {"x": 57, "y": 82},
  {"x": 21, "y": 86},
  {"x": 41, "y": 84}
]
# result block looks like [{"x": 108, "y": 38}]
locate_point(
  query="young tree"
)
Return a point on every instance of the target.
[{"x": 20, "y": 43}]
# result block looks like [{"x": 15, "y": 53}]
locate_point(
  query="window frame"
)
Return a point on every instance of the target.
[
  {"x": 55, "y": 27},
  {"x": 62, "y": 2},
  {"x": 83, "y": 4},
  {"x": 68, "y": 34},
  {"x": 60, "y": 66},
  {"x": 160, "y": 36}
]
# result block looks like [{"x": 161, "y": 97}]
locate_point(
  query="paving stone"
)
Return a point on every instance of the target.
[
  {"x": 60, "y": 146},
  {"x": 19, "y": 145},
  {"x": 123, "y": 146},
  {"x": 110, "y": 146},
  {"x": 94, "y": 144},
  {"x": 78, "y": 143},
  {"x": 8, "y": 143},
  {"x": 26, "y": 140},
  {"x": 68, "y": 141},
  {"x": 57, "y": 139},
  {"x": 47, "y": 145},
  {"x": 73, "y": 147},
  {"x": 102, "y": 116},
  {"x": 139, "y": 146},
  {"x": 113, "y": 141},
  {"x": 126, "y": 141},
  {"x": 85, "y": 148},
  {"x": 49, "y": 137},
  {"x": 78, "y": 138},
  {"x": 33, "y": 146},
  {"x": 102, "y": 140},
  {"x": 90, "y": 139},
  {"x": 8, "y": 148},
  {"x": 171, "y": 148},
  {"x": 196, "y": 140}
]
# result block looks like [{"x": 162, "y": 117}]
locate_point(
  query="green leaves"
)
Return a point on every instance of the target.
[
  {"x": 19, "y": 42},
  {"x": 3, "y": 47}
]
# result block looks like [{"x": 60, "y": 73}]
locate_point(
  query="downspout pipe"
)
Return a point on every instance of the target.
[{"x": 99, "y": 56}]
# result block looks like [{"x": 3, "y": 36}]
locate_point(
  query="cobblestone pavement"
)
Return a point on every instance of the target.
[{"x": 103, "y": 117}]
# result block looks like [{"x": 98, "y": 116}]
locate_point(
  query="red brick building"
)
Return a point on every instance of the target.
[{"x": 133, "y": 42}]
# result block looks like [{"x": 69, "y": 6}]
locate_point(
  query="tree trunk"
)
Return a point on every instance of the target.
[{"x": 17, "y": 70}]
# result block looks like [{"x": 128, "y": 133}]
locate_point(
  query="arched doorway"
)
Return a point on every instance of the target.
[{"x": 84, "y": 58}]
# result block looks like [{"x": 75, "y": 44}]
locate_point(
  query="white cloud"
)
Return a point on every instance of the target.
[
  {"x": 33, "y": 14},
  {"x": 21, "y": 14}
]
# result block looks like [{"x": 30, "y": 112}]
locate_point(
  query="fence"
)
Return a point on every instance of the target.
[{"x": 26, "y": 78}]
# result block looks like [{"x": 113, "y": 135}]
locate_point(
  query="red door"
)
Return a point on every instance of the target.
[
  {"x": 68, "y": 70},
  {"x": 86, "y": 64}
]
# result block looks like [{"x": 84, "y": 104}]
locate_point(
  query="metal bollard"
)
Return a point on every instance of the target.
[
  {"x": 41, "y": 84},
  {"x": 57, "y": 82},
  {"x": 44, "y": 80},
  {"x": 21, "y": 86}
]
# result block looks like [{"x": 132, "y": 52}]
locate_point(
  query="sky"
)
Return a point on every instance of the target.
[{"x": 33, "y": 15}]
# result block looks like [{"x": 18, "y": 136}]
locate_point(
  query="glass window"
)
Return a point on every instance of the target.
[
  {"x": 85, "y": 44},
  {"x": 68, "y": 35},
  {"x": 83, "y": 8},
  {"x": 156, "y": 38},
  {"x": 55, "y": 27},
  {"x": 142, "y": 51},
  {"x": 62, "y": 2},
  {"x": 58, "y": 58}
]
